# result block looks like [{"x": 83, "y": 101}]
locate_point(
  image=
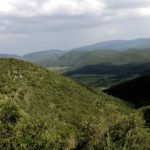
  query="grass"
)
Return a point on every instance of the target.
[{"x": 40, "y": 109}]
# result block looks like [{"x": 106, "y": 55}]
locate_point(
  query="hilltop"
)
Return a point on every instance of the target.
[{"x": 40, "y": 109}]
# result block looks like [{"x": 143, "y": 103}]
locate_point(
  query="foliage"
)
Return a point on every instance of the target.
[
  {"x": 106, "y": 75},
  {"x": 40, "y": 109},
  {"x": 135, "y": 91}
]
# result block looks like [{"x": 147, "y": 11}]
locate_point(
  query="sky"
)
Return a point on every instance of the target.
[{"x": 34, "y": 25}]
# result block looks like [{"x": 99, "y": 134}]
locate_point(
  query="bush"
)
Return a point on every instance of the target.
[
  {"x": 129, "y": 134},
  {"x": 146, "y": 115},
  {"x": 17, "y": 131}
]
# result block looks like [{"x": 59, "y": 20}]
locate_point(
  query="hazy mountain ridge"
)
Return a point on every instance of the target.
[
  {"x": 115, "y": 51},
  {"x": 39, "y": 57},
  {"x": 120, "y": 45},
  {"x": 77, "y": 59},
  {"x": 8, "y": 56}
]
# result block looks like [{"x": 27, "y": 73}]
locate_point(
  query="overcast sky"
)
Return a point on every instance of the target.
[{"x": 33, "y": 25}]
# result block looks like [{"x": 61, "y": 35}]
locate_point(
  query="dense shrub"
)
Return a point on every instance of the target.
[
  {"x": 129, "y": 134},
  {"x": 146, "y": 115},
  {"x": 41, "y": 110},
  {"x": 17, "y": 131}
]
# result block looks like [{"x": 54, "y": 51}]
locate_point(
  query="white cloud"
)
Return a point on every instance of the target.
[
  {"x": 144, "y": 11},
  {"x": 27, "y": 8},
  {"x": 104, "y": 8},
  {"x": 73, "y": 7}
]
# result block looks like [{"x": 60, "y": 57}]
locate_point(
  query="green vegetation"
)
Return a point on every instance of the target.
[
  {"x": 106, "y": 75},
  {"x": 135, "y": 91},
  {"x": 43, "y": 57},
  {"x": 40, "y": 109},
  {"x": 58, "y": 69},
  {"x": 78, "y": 58}
]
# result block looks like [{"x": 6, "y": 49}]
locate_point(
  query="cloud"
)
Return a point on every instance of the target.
[
  {"x": 144, "y": 11},
  {"x": 81, "y": 20},
  {"x": 28, "y": 8}
]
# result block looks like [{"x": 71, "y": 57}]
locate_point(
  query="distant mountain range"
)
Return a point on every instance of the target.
[
  {"x": 116, "y": 51},
  {"x": 120, "y": 45},
  {"x": 8, "y": 56}
]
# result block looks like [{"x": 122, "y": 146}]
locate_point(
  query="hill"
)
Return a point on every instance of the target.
[
  {"x": 77, "y": 59},
  {"x": 82, "y": 58},
  {"x": 43, "y": 56},
  {"x": 105, "y": 75},
  {"x": 135, "y": 91},
  {"x": 44, "y": 110},
  {"x": 62, "y": 103}
]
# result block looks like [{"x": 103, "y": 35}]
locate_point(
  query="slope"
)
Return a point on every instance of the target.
[
  {"x": 63, "y": 104},
  {"x": 76, "y": 59},
  {"x": 44, "y": 110},
  {"x": 106, "y": 75},
  {"x": 136, "y": 91}
]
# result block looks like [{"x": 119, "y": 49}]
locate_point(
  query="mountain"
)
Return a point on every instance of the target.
[
  {"x": 136, "y": 91},
  {"x": 115, "y": 51},
  {"x": 81, "y": 58},
  {"x": 78, "y": 59},
  {"x": 40, "y": 109},
  {"x": 8, "y": 56},
  {"x": 113, "y": 57},
  {"x": 43, "y": 56},
  {"x": 120, "y": 45}
]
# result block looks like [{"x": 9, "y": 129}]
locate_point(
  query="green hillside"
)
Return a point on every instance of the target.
[
  {"x": 40, "y": 109},
  {"x": 106, "y": 75},
  {"x": 76, "y": 59},
  {"x": 79, "y": 58},
  {"x": 136, "y": 91},
  {"x": 43, "y": 56}
]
